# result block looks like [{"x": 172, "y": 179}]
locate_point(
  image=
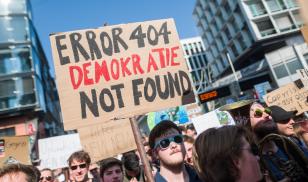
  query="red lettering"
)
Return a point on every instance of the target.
[
  {"x": 136, "y": 64},
  {"x": 101, "y": 70},
  {"x": 75, "y": 83},
  {"x": 115, "y": 69},
  {"x": 174, "y": 55},
  {"x": 124, "y": 66},
  {"x": 87, "y": 80},
  {"x": 168, "y": 56},
  {"x": 151, "y": 63},
  {"x": 161, "y": 56}
]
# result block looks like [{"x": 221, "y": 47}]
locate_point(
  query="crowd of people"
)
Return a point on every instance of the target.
[{"x": 271, "y": 147}]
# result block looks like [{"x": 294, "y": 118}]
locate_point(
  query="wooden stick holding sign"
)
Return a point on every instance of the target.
[{"x": 140, "y": 147}]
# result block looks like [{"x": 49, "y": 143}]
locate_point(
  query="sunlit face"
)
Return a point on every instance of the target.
[
  {"x": 248, "y": 165},
  {"x": 174, "y": 154},
  {"x": 188, "y": 156},
  {"x": 254, "y": 119},
  {"x": 113, "y": 174},
  {"x": 46, "y": 176},
  {"x": 286, "y": 128},
  {"x": 80, "y": 173}
]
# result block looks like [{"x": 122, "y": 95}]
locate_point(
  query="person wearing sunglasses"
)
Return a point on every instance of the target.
[
  {"x": 79, "y": 163},
  {"x": 46, "y": 175},
  {"x": 166, "y": 143},
  {"x": 279, "y": 156},
  {"x": 226, "y": 154}
]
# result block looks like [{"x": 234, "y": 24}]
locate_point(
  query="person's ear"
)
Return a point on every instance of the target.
[{"x": 237, "y": 163}]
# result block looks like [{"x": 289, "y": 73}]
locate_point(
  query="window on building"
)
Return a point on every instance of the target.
[
  {"x": 15, "y": 60},
  {"x": 196, "y": 61},
  {"x": 241, "y": 41},
  {"x": 280, "y": 70},
  {"x": 234, "y": 50},
  {"x": 186, "y": 49},
  {"x": 7, "y": 132},
  {"x": 298, "y": 19},
  {"x": 201, "y": 47},
  {"x": 227, "y": 33},
  {"x": 266, "y": 27},
  {"x": 292, "y": 3},
  {"x": 196, "y": 47},
  {"x": 16, "y": 92},
  {"x": 191, "y": 63},
  {"x": 201, "y": 62},
  {"x": 284, "y": 23},
  {"x": 275, "y": 5},
  {"x": 191, "y": 48},
  {"x": 13, "y": 7},
  {"x": 13, "y": 29},
  {"x": 256, "y": 7},
  {"x": 234, "y": 25},
  {"x": 293, "y": 65},
  {"x": 227, "y": 8}
]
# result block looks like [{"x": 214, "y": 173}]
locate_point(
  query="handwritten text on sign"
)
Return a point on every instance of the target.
[
  {"x": 288, "y": 97},
  {"x": 108, "y": 139},
  {"x": 55, "y": 151},
  {"x": 118, "y": 69},
  {"x": 16, "y": 148}
]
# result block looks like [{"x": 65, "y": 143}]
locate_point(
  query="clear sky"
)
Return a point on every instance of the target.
[{"x": 50, "y": 16}]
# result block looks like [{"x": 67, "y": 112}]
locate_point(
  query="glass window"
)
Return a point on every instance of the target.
[
  {"x": 196, "y": 47},
  {"x": 284, "y": 23},
  {"x": 196, "y": 61},
  {"x": 13, "y": 29},
  {"x": 201, "y": 62},
  {"x": 201, "y": 46},
  {"x": 241, "y": 42},
  {"x": 12, "y": 7},
  {"x": 191, "y": 63},
  {"x": 280, "y": 71},
  {"x": 275, "y": 5},
  {"x": 294, "y": 65},
  {"x": 227, "y": 33},
  {"x": 15, "y": 60},
  {"x": 256, "y": 8},
  {"x": 234, "y": 50},
  {"x": 298, "y": 18},
  {"x": 16, "y": 92},
  {"x": 291, "y": 3},
  {"x": 266, "y": 27}
]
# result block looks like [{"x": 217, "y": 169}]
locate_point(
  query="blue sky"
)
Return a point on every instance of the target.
[{"x": 51, "y": 16}]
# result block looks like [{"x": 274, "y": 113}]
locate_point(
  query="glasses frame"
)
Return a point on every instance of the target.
[
  {"x": 169, "y": 139},
  {"x": 81, "y": 166},
  {"x": 259, "y": 113},
  {"x": 48, "y": 178}
]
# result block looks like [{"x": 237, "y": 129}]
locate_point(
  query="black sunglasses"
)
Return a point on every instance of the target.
[
  {"x": 81, "y": 166},
  {"x": 48, "y": 178},
  {"x": 165, "y": 142}
]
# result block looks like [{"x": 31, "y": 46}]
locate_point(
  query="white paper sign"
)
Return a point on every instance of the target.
[
  {"x": 212, "y": 119},
  {"x": 55, "y": 151}
]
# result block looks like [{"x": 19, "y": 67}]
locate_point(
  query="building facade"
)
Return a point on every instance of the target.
[
  {"x": 262, "y": 38},
  {"x": 29, "y": 103}
]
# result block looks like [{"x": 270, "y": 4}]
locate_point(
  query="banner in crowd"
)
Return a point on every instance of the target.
[
  {"x": 108, "y": 139},
  {"x": 119, "y": 71},
  {"x": 212, "y": 119},
  {"x": 55, "y": 151},
  {"x": 14, "y": 149},
  {"x": 289, "y": 97}
]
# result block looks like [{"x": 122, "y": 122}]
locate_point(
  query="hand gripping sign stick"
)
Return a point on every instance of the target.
[{"x": 145, "y": 161}]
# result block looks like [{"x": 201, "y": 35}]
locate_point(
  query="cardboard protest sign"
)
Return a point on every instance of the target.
[
  {"x": 15, "y": 149},
  {"x": 107, "y": 140},
  {"x": 120, "y": 70},
  {"x": 289, "y": 97},
  {"x": 55, "y": 151}
]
